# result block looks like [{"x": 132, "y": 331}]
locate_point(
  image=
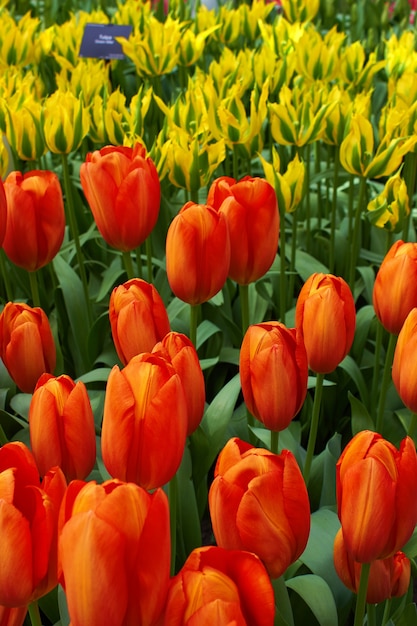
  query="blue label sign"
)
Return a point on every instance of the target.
[{"x": 99, "y": 41}]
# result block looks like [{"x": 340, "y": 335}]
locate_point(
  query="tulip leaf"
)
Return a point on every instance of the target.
[
  {"x": 317, "y": 595},
  {"x": 361, "y": 420},
  {"x": 188, "y": 521},
  {"x": 206, "y": 330},
  {"x": 20, "y": 403},
  {"x": 109, "y": 278},
  {"x": 63, "y": 607},
  {"x": 305, "y": 264},
  {"x": 351, "y": 367}
]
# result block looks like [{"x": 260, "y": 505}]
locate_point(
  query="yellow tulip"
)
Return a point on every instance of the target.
[
  {"x": 192, "y": 46},
  {"x": 355, "y": 70},
  {"x": 300, "y": 10},
  {"x": 24, "y": 130},
  {"x": 18, "y": 44},
  {"x": 317, "y": 56},
  {"x": 288, "y": 186},
  {"x": 65, "y": 122},
  {"x": 390, "y": 208}
]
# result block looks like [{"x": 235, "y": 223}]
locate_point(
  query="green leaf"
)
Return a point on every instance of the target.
[
  {"x": 99, "y": 375},
  {"x": 206, "y": 330},
  {"x": 351, "y": 368},
  {"x": 20, "y": 403},
  {"x": 361, "y": 420},
  {"x": 305, "y": 265},
  {"x": 187, "y": 513},
  {"x": 317, "y": 595}
]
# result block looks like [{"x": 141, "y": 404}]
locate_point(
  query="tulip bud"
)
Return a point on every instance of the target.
[
  {"x": 273, "y": 373},
  {"x": 388, "y": 578},
  {"x": 251, "y": 211},
  {"x": 35, "y": 218},
  {"x": 12, "y": 616},
  {"x": 27, "y": 346},
  {"x": 395, "y": 287},
  {"x": 28, "y": 525},
  {"x": 376, "y": 493},
  {"x": 122, "y": 187},
  {"x": 138, "y": 318},
  {"x": 144, "y": 422},
  {"x": 217, "y": 586},
  {"x": 114, "y": 549},
  {"x": 197, "y": 253},
  {"x": 391, "y": 207},
  {"x": 66, "y": 122},
  {"x": 404, "y": 364},
  {"x": 61, "y": 426},
  {"x": 258, "y": 502},
  {"x": 179, "y": 350},
  {"x": 325, "y": 313}
]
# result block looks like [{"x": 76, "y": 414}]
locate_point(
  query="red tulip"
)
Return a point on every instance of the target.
[
  {"x": 405, "y": 362},
  {"x": 35, "y": 218},
  {"x": 28, "y": 526},
  {"x": 114, "y": 550},
  {"x": 14, "y": 616},
  {"x": 376, "y": 492},
  {"x": 251, "y": 211},
  {"x": 122, "y": 187},
  {"x": 388, "y": 578},
  {"x": 27, "y": 346},
  {"x": 273, "y": 373},
  {"x": 197, "y": 253},
  {"x": 179, "y": 350},
  {"x": 144, "y": 422},
  {"x": 325, "y": 313},
  {"x": 61, "y": 426},
  {"x": 217, "y": 586},
  {"x": 259, "y": 502},
  {"x": 3, "y": 216},
  {"x": 395, "y": 288},
  {"x": 138, "y": 318}
]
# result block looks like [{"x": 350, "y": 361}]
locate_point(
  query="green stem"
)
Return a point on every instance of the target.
[
  {"x": 34, "y": 614},
  {"x": 138, "y": 262},
  {"x": 5, "y": 275},
  {"x": 410, "y": 176},
  {"x": 386, "y": 379},
  {"x": 193, "y": 323},
  {"x": 293, "y": 258},
  {"x": 361, "y": 598},
  {"x": 282, "y": 273},
  {"x": 413, "y": 425},
  {"x": 313, "y": 427},
  {"x": 307, "y": 199},
  {"x": 274, "y": 441},
  {"x": 148, "y": 247},
  {"x": 34, "y": 288},
  {"x": 371, "y": 614},
  {"x": 355, "y": 239},
  {"x": 387, "y": 611},
  {"x": 74, "y": 232},
  {"x": 128, "y": 263},
  {"x": 377, "y": 364},
  {"x": 173, "y": 500},
  {"x": 334, "y": 212},
  {"x": 244, "y": 307}
]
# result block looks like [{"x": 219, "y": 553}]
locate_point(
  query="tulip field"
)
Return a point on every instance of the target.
[{"x": 208, "y": 313}]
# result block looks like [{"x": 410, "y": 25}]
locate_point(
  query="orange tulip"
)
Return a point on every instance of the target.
[
  {"x": 3, "y": 214},
  {"x": 144, "y": 421},
  {"x": 395, "y": 288},
  {"x": 251, "y": 210},
  {"x": 325, "y": 313},
  {"x": 197, "y": 253},
  {"x": 12, "y": 616},
  {"x": 258, "y": 502},
  {"x": 114, "y": 553},
  {"x": 28, "y": 526},
  {"x": 388, "y": 578},
  {"x": 273, "y": 373},
  {"x": 61, "y": 426},
  {"x": 405, "y": 362},
  {"x": 27, "y": 346},
  {"x": 122, "y": 187},
  {"x": 179, "y": 350},
  {"x": 217, "y": 586},
  {"x": 138, "y": 318},
  {"x": 376, "y": 491},
  {"x": 35, "y": 218}
]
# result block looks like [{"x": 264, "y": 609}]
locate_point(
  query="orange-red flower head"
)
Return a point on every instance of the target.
[{"x": 404, "y": 366}]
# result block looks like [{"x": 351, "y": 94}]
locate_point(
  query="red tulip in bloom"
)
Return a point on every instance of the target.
[
  {"x": 28, "y": 526},
  {"x": 325, "y": 313},
  {"x": 14, "y": 616},
  {"x": 114, "y": 553},
  {"x": 376, "y": 491},
  {"x": 388, "y": 578},
  {"x": 217, "y": 586},
  {"x": 27, "y": 346},
  {"x": 197, "y": 253},
  {"x": 395, "y": 288},
  {"x": 180, "y": 351},
  {"x": 138, "y": 318},
  {"x": 259, "y": 502},
  {"x": 404, "y": 366},
  {"x": 144, "y": 422},
  {"x": 122, "y": 187},
  {"x": 251, "y": 210},
  {"x": 3, "y": 217},
  {"x": 35, "y": 218},
  {"x": 273, "y": 373},
  {"x": 61, "y": 426}
]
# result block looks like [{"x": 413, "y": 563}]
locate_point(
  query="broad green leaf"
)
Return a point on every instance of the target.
[
  {"x": 206, "y": 330},
  {"x": 188, "y": 519},
  {"x": 317, "y": 595},
  {"x": 284, "y": 615},
  {"x": 20, "y": 403},
  {"x": 305, "y": 265},
  {"x": 99, "y": 375},
  {"x": 351, "y": 368},
  {"x": 63, "y": 607},
  {"x": 361, "y": 420}
]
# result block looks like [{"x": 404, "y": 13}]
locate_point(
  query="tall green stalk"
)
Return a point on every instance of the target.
[
  {"x": 194, "y": 308},
  {"x": 34, "y": 614},
  {"x": 74, "y": 232},
  {"x": 410, "y": 177},
  {"x": 244, "y": 307},
  {"x": 173, "y": 503},
  {"x": 274, "y": 441},
  {"x": 5, "y": 275},
  {"x": 361, "y": 597},
  {"x": 34, "y": 288},
  {"x": 148, "y": 247},
  {"x": 355, "y": 238},
  {"x": 313, "y": 427},
  {"x": 128, "y": 263},
  {"x": 332, "y": 244},
  {"x": 282, "y": 273},
  {"x": 386, "y": 379}
]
